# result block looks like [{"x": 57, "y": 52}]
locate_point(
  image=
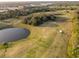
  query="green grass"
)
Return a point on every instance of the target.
[{"x": 37, "y": 44}]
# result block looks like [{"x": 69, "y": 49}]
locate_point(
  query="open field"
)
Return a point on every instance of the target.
[
  {"x": 43, "y": 41},
  {"x": 53, "y": 33}
]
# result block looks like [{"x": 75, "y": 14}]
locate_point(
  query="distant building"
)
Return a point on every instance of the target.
[
  {"x": 20, "y": 7},
  {"x": 12, "y": 8},
  {"x": 3, "y": 11}
]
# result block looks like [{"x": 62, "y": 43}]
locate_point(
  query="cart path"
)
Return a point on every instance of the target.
[{"x": 59, "y": 47}]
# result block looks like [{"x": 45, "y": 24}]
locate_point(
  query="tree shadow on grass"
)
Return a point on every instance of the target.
[{"x": 54, "y": 23}]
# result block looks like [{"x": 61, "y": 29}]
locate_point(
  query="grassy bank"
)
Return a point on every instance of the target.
[{"x": 73, "y": 42}]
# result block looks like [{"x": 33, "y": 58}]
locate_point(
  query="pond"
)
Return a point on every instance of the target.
[{"x": 13, "y": 34}]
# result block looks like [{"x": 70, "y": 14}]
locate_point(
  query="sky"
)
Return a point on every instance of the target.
[{"x": 33, "y": 0}]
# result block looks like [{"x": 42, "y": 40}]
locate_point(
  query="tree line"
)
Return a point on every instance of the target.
[
  {"x": 39, "y": 18},
  {"x": 26, "y": 11}
]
